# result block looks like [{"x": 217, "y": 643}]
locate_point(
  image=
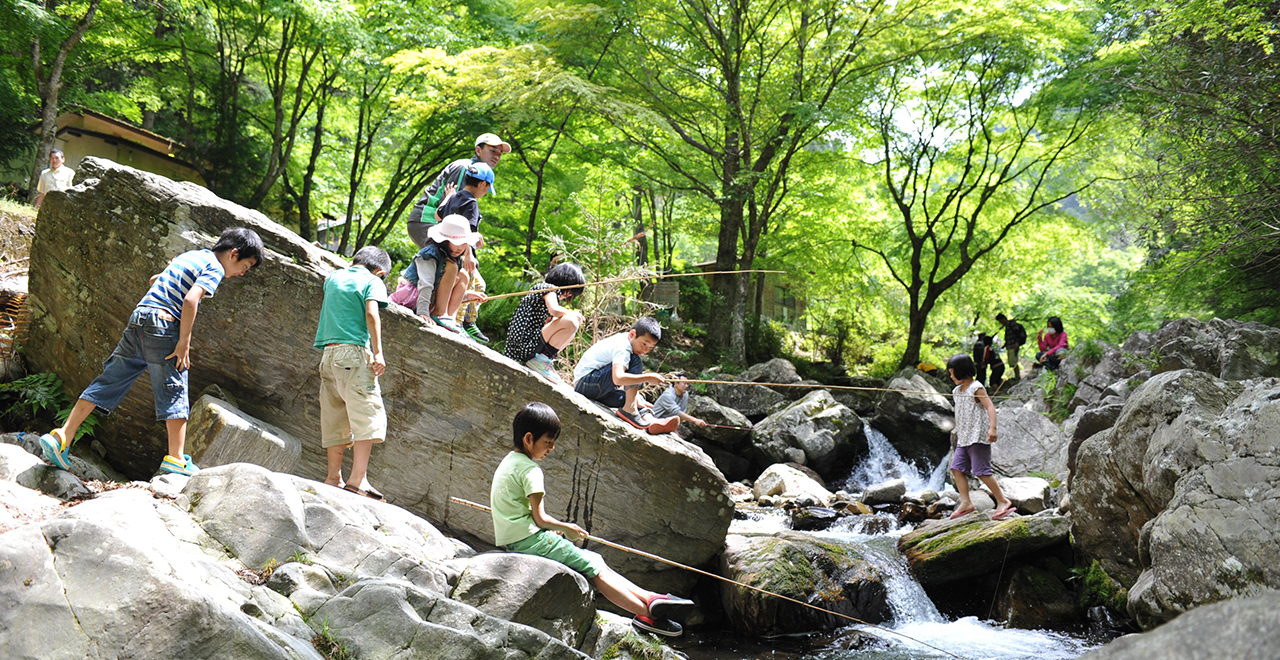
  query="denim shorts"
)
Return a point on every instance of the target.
[
  {"x": 547, "y": 543},
  {"x": 599, "y": 386},
  {"x": 151, "y": 335}
]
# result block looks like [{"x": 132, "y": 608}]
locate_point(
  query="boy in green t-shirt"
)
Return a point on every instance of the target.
[
  {"x": 521, "y": 524},
  {"x": 350, "y": 332}
]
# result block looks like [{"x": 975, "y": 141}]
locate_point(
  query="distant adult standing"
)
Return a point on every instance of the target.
[
  {"x": 489, "y": 149},
  {"x": 1015, "y": 335},
  {"x": 56, "y": 177},
  {"x": 1052, "y": 340}
]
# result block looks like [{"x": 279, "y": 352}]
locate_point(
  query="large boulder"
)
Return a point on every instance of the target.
[
  {"x": 864, "y": 395},
  {"x": 1028, "y": 442},
  {"x": 26, "y": 470},
  {"x": 785, "y": 481},
  {"x": 831, "y": 576},
  {"x": 218, "y": 433},
  {"x": 1216, "y": 538},
  {"x": 944, "y": 551},
  {"x": 1033, "y": 598},
  {"x": 330, "y": 527},
  {"x": 1241, "y": 629},
  {"x": 135, "y": 573},
  {"x": 1029, "y": 494},
  {"x": 916, "y": 418},
  {"x": 830, "y": 435},
  {"x": 538, "y": 592},
  {"x": 1228, "y": 349},
  {"x": 1112, "y": 367},
  {"x": 777, "y": 370},
  {"x": 449, "y": 400},
  {"x": 753, "y": 401},
  {"x": 130, "y": 574},
  {"x": 706, "y": 409},
  {"x": 1125, "y": 476}
]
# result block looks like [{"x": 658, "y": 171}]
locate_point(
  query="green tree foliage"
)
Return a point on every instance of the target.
[{"x": 1203, "y": 79}]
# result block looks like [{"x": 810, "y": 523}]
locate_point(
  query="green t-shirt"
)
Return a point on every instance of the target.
[
  {"x": 516, "y": 478},
  {"x": 342, "y": 314}
]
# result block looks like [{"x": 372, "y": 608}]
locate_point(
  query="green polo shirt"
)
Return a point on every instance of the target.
[
  {"x": 516, "y": 478},
  {"x": 342, "y": 314}
]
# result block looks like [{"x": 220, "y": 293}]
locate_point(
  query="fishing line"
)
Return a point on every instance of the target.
[
  {"x": 820, "y": 386},
  {"x": 625, "y": 279},
  {"x": 647, "y": 555}
]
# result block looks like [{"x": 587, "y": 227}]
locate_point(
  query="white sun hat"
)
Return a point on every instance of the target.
[{"x": 454, "y": 229}]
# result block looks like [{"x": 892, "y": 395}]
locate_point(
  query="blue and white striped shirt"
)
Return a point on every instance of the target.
[{"x": 186, "y": 270}]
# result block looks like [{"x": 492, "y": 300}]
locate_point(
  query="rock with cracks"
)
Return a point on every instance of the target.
[{"x": 449, "y": 400}]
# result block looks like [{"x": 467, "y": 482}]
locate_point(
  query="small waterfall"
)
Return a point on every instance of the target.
[{"x": 883, "y": 463}]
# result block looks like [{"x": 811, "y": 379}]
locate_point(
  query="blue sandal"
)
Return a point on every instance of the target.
[{"x": 53, "y": 450}]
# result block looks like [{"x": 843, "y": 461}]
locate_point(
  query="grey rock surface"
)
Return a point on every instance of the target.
[
  {"x": 218, "y": 433},
  {"x": 540, "y": 593},
  {"x": 919, "y": 425},
  {"x": 1216, "y": 538},
  {"x": 887, "y": 492},
  {"x": 1240, "y": 629},
  {"x": 789, "y": 482},
  {"x": 1028, "y": 442},
  {"x": 753, "y": 401},
  {"x": 830, "y": 435},
  {"x": 385, "y": 618},
  {"x": 449, "y": 400},
  {"x": 1029, "y": 494},
  {"x": 1228, "y": 349},
  {"x": 1126, "y": 476},
  {"x": 706, "y": 409}
]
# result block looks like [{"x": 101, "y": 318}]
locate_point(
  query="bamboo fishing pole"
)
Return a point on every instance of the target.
[
  {"x": 625, "y": 279},
  {"x": 664, "y": 560},
  {"x": 819, "y": 386}
]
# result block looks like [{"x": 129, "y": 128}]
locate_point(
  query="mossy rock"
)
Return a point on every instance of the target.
[
  {"x": 828, "y": 575},
  {"x": 949, "y": 550},
  {"x": 1033, "y": 599}
]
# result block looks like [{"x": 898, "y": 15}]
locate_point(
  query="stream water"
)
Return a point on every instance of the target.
[{"x": 914, "y": 614}]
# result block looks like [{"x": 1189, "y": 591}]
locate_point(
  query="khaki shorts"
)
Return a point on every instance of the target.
[{"x": 350, "y": 400}]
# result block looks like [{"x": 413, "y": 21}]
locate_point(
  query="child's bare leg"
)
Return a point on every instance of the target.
[
  {"x": 79, "y": 413},
  {"x": 459, "y": 293},
  {"x": 360, "y": 464},
  {"x": 444, "y": 290},
  {"x": 559, "y": 332},
  {"x": 629, "y": 403},
  {"x": 177, "y": 436},
  {"x": 962, "y": 487},
  {"x": 622, "y": 592},
  {"x": 334, "y": 456},
  {"x": 1002, "y": 502}
]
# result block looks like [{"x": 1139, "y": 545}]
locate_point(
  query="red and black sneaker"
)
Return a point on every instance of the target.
[
  {"x": 663, "y": 627},
  {"x": 666, "y": 606}
]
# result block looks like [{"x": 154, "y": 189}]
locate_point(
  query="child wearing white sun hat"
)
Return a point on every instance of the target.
[{"x": 436, "y": 280}]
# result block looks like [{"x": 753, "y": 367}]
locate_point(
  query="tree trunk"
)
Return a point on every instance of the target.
[
  {"x": 49, "y": 88},
  {"x": 307, "y": 224}
]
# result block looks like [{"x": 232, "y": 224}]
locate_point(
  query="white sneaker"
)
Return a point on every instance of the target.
[{"x": 545, "y": 368}]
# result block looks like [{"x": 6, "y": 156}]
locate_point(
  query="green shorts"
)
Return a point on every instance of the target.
[{"x": 547, "y": 543}]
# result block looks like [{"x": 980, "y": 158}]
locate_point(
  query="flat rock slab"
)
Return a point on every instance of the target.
[
  {"x": 948, "y": 550},
  {"x": 218, "y": 433},
  {"x": 449, "y": 400}
]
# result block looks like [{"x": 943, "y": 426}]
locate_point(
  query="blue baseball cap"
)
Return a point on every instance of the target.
[{"x": 483, "y": 172}]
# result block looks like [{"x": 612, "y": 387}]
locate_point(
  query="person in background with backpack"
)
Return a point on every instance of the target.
[
  {"x": 1015, "y": 335},
  {"x": 489, "y": 150}
]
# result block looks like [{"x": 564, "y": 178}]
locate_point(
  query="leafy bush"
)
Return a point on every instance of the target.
[
  {"x": 1089, "y": 352},
  {"x": 695, "y": 299},
  {"x": 47, "y": 403},
  {"x": 763, "y": 339}
]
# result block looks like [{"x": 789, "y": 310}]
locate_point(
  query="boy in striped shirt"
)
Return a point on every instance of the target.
[{"x": 158, "y": 339}]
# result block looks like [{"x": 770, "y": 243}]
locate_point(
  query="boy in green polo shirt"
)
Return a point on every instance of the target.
[
  {"x": 521, "y": 524},
  {"x": 350, "y": 332}
]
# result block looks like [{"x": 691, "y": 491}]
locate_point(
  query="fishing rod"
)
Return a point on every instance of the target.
[
  {"x": 664, "y": 560},
  {"x": 723, "y": 426},
  {"x": 818, "y": 386},
  {"x": 626, "y": 279}
]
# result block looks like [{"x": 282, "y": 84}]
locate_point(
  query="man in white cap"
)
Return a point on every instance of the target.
[
  {"x": 56, "y": 177},
  {"x": 489, "y": 149}
]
